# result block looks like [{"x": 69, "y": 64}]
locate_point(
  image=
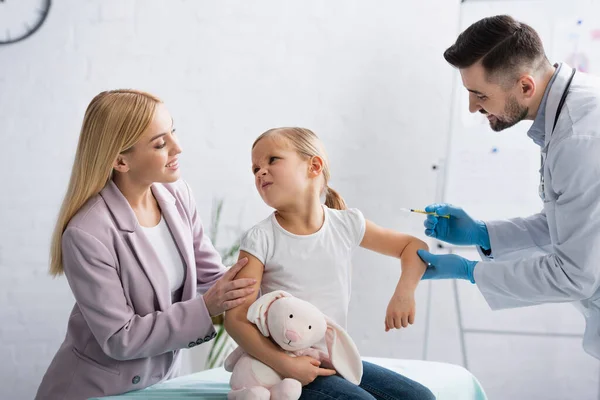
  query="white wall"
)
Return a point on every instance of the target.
[{"x": 368, "y": 77}]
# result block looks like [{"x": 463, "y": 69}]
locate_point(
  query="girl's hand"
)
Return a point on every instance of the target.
[
  {"x": 304, "y": 369},
  {"x": 400, "y": 310}
]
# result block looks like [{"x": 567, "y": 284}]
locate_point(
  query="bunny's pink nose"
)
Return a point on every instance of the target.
[{"x": 292, "y": 336}]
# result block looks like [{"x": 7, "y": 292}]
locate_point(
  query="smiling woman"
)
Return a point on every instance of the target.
[{"x": 131, "y": 244}]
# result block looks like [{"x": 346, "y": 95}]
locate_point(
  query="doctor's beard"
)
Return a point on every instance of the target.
[{"x": 513, "y": 114}]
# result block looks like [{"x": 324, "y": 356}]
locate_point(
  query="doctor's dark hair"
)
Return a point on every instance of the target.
[
  {"x": 503, "y": 45},
  {"x": 114, "y": 121},
  {"x": 308, "y": 145}
]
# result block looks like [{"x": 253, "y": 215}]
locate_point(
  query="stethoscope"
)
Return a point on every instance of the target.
[{"x": 561, "y": 103}]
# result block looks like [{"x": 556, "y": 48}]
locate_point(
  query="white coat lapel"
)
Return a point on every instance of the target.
[{"x": 554, "y": 96}]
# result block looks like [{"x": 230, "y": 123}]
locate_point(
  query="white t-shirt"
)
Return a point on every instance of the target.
[
  {"x": 164, "y": 245},
  {"x": 316, "y": 267}
]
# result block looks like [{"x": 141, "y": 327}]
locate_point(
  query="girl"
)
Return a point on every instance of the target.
[
  {"x": 130, "y": 241},
  {"x": 305, "y": 248}
]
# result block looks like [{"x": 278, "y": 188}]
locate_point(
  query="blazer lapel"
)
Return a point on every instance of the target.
[
  {"x": 181, "y": 234},
  {"x": 148, "y": 259}
]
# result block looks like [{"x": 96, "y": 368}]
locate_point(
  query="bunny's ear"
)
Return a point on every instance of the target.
[
  {"x": 343, "y": 353},
  {"x": 257, "y": 312}
]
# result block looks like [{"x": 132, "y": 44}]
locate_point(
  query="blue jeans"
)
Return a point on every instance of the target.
[{"x": 377, "y": 383}]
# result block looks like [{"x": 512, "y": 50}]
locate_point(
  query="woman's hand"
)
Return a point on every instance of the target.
[
  {"x": 227, "y": 292},
  {"x": 304, "y": 369}
]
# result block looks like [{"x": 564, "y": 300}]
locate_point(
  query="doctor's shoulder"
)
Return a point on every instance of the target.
[
  {"x": 583, "y": 108},
  {"x": 581, "y": 119}
]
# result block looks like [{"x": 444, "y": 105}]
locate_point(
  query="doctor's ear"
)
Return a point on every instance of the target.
[
  {"x": 527, "y": 86},
  {"x": 121, "y": 164},
  {"x": 316, "y": 166}
]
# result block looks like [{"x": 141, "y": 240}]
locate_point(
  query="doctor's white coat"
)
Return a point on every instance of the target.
[{"x": 554, "y": 256}]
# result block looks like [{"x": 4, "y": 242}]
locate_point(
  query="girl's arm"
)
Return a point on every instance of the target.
[
  {"x": 247, "y": 335},
  {"x": 399, "y": 245},
  {"x": 402, "y": 246}
]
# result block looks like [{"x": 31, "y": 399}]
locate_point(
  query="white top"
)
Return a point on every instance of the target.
[
  {"x": 316, "y": 267},
  {"x": 164, "y": 245}
]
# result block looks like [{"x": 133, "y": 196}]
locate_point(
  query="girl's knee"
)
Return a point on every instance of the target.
[
  {"x": 387, "y": 384},
  {"x": 424, "y": 393}
]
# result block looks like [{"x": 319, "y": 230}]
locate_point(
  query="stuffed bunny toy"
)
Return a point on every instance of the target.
[{"x": 296, "y": 326}]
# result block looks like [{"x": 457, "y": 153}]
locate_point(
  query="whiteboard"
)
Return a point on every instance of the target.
[{"x": 494, "y": 175}]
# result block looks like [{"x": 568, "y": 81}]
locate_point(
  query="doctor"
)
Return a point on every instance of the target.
[{"x": 553, "y": 256}]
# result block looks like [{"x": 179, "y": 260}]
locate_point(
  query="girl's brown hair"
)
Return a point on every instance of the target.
[{"x": 307, "y": 144}]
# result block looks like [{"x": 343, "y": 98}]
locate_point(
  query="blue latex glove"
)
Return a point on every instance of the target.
[
  {"x": 447, "y": 266},
  {"x": 459, "y": 229}
]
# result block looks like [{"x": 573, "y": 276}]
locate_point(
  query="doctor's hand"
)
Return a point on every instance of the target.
[
  {"x": 447, "y": 266},
  {"x": 459, "y": 229},
  {"x": 227, "y": 292}
]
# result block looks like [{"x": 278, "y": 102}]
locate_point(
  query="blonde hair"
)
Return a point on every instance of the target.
[
  {"x": 308, "y": 144},
  {"x": 114, "y": 121}
]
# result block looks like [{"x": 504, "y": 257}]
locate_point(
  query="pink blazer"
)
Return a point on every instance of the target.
[{"x": 123, "y": 333}]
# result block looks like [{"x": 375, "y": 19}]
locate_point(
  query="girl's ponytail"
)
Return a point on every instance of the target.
[{"x": 333, "y": 199}]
